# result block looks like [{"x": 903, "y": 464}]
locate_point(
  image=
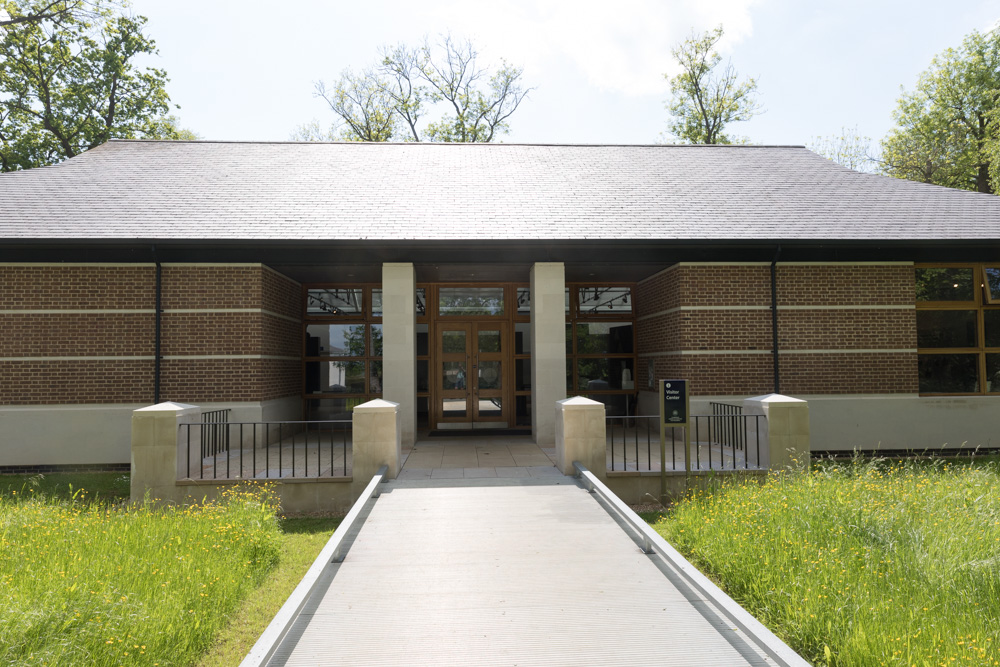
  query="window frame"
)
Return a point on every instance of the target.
[{"x": 980, "y": 304}]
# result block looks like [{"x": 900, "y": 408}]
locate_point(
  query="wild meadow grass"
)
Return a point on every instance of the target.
[
  {"x": 84, "y": 583},
  {"x": 873, "y": 563}
]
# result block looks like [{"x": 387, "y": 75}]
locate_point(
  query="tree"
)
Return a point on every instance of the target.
[
  {"x": 944, "y": 126},
  {"x": 13, "y": 12},
  {"x": 848, "y": 149},
  {"x": 70, "y": 83},
  {"x": 705, "y": 101},
  {"x": 386, "y": 102}
]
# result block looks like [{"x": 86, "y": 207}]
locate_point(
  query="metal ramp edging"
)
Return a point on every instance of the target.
[
  {"x": 275, "y": 632},
  {"x": 653, "y": 542}
]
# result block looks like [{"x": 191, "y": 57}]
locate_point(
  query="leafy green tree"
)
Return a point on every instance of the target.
[
  {"x": 705, "y": 100},
  {"x": 944, "y": 126},
  {"x": 70, "y": 83},
  {"x": 848, "y": 149},
  {"x": 16, "y": 13},
  {"x": 387, "y": 102}
]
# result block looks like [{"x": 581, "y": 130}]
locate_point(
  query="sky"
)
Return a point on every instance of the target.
[{"x": 246, "y": 69}]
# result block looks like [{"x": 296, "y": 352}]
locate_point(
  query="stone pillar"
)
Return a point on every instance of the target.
[
  {"x": 159, "y": 449},
  {"x": 580, "y": 436},
  {"x": 375, "y": 442},
  {"x": 399, "y": 344},
  {"x": 548, "y": 347},
  {"x": 784, "y": 440}
]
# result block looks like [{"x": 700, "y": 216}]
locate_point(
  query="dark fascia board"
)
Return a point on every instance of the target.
[{"x": 366, "y": 252}]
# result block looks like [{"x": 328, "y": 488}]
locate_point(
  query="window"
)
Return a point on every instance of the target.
[
  {"x": 958, "y": 328},
  {"x": 342, "y": 351},
  {"x": 600, "y": 345}
]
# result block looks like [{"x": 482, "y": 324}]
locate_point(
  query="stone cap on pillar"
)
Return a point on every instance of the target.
[
  {"x": 378, "y": 405},
  {"x": 578, "y": 402},
  {"x": 168, "y": 406},
  {"x": 774, "y": 398}
]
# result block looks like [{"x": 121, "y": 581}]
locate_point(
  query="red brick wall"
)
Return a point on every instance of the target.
[
  {"x": 717, "y": 312},
  {"x": 270, "y": 328}
]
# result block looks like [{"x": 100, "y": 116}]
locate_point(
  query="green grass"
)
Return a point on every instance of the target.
[
  {"x": 91, "y": 583},
  {"x": 109, "y": 486},
  {"x": 871, "y": 563},
  {"x": 300, "y": 544}
]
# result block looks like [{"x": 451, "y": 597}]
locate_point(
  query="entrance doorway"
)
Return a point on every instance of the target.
[{"x": 471, "y": 375}]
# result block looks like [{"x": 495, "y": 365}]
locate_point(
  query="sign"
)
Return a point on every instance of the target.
[{"x": 674, "y": 402}]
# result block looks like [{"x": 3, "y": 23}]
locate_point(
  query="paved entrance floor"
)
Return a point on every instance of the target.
[
  {"x": 504, "y": 572},
  {"x": 478, "y": 457}
]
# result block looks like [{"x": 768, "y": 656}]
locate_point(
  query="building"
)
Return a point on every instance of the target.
[{"x": 478, "y": 284}]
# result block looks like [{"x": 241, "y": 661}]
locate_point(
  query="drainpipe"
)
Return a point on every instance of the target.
[
  {"x": 156, "y": 340},
  {"x": 774, "y": 317}
]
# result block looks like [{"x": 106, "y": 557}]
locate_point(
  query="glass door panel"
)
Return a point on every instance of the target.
[
  {"x": 452, "y": 384},
  {"x": 489, "y": 364},
  {"x": 470, "y": 382}
]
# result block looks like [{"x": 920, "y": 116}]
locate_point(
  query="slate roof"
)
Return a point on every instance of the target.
[{"x": 339, "y": 191}]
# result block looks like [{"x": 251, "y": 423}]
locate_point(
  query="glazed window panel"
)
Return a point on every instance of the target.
[
  {"x": 595, "y": 375},
  {"x": 332, "y": 302},
  {"x": 604, "y": 300},
  {"x": 946, "y": 328},
  {"x": 948, "y": 373},
  {"x": 335, "y": 340},
  {"x": 470, "y": 301},
  {"x": 991, "y": 280},
  {"x": 993, "y": 373},
  {"x": 945, "y": 283},
  {"x": 604, "y": 338},
  {"x": 335, "y": 377},
  {"x": 991, "y": 327}
]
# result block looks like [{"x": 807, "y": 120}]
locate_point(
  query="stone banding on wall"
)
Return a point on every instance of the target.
[{"x": 842, "y": 328}]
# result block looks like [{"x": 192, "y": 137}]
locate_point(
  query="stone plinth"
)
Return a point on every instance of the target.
[
  {"x": 158, "y": 455},
  {"x": 580, "y": 435},
  {"x": 785, "y": 439},
  {"x": 375, "y": 441}
]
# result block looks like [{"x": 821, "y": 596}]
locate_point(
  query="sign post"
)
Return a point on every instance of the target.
[{"x": 675, "y": 410}]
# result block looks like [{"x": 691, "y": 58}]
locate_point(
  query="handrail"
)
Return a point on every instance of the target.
[
  {"x": 653, "y": 542},
  {"x": 275, "y": 632}
]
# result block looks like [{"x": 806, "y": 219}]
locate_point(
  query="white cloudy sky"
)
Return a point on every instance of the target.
[{"x": 244, "y": 69}]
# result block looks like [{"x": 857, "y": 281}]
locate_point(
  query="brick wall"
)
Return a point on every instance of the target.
[
  {"x": 841, "y": 328},
  {"x": 229, "y": 334}
]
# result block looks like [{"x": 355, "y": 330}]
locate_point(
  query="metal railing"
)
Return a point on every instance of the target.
[
  {"x": 214, "y": 433},
  {"x": 267, "y": 450},
  {"x": 728, "y": 426},
  {"x": 718, "y": 442},
  {"x": 632, "y": 442}
]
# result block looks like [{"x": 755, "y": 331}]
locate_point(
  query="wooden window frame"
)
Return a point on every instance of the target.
[{"x": 980, "y": 304}]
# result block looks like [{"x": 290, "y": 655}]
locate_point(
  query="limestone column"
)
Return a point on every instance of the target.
[
  {"x": 399, "y": 344},
  {"x": 548, "y": 348}
]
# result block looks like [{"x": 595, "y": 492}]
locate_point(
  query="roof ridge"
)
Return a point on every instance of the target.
[{"x": 438, "y": 143}]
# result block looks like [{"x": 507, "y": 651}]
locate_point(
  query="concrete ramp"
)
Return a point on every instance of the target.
[{"x": 508, "y": 573}]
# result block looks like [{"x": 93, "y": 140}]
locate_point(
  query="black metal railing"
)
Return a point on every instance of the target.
[
  {"x": 718, "y": 442},
  {"x": 634, "y": 443},
  {"x": 268, "y": 450},
  {"x": 214, "y": 432},
  {"x": 729, "y": 428}
]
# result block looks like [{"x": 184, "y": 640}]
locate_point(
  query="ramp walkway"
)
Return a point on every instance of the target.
[{"x": 504, "y": 572}]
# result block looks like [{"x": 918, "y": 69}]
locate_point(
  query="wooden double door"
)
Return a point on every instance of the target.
[{"x": 471, "y": 375}]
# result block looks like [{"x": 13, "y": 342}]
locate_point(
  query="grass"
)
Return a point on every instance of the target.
[
  {"x": 91, "y": 583},
  {"x": 301, "y": 543},
  {"x": 110, "y": 486},
  {"x": 863, "y": 563}
]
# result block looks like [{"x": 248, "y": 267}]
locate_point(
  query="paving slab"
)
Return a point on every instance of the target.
[{"x": 502, "y": 572}]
